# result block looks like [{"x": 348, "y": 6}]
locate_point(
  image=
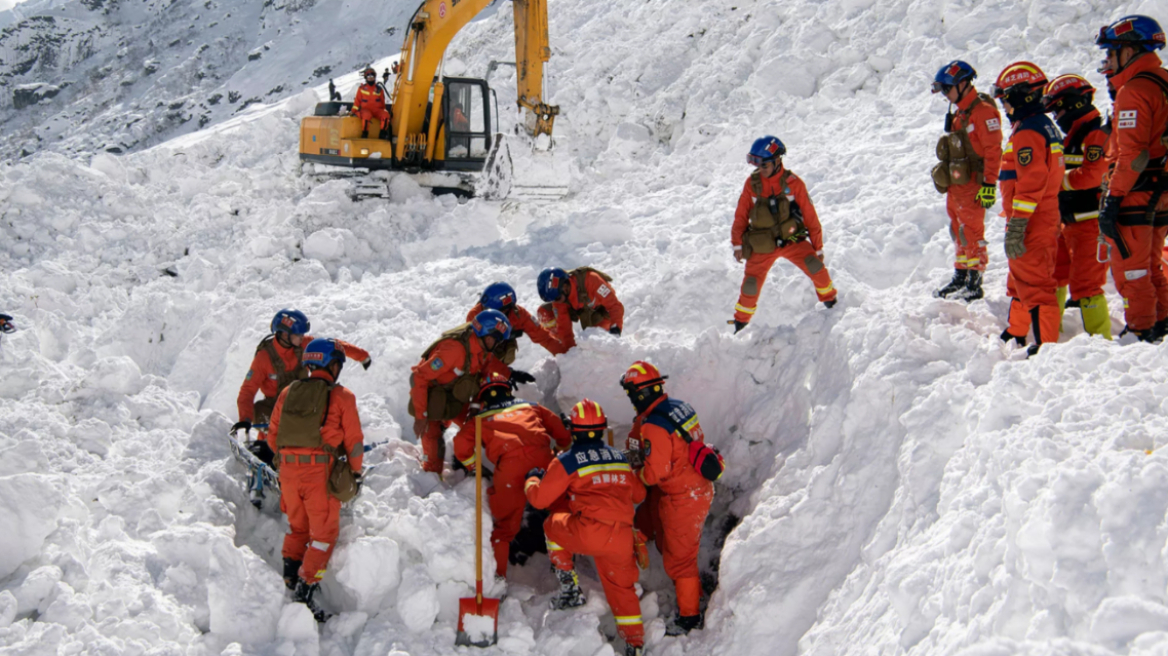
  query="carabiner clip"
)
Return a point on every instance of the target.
[{"x": 1101, "y": 242}]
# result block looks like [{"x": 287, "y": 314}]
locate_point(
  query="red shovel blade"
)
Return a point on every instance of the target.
[{"x": 478, "y": 624}]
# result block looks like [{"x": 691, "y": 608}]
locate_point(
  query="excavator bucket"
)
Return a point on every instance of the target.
[{"x": 520, "y": 168}]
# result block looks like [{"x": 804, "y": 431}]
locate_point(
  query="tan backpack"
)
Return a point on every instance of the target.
[
  {"x": 771, "y": 219},
  {"x": 304, "y": 413},
  {"x": 959, "y": 162},
  {"x": 446, "y": 402},
  {"x": 284, "y": 378},
  {"x": 587, "y": 315}
]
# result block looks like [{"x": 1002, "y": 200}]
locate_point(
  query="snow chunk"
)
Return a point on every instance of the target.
[
  {"x": 28, "y": 514},
  {"x": 369, "y": 570},
  {"x": 296, "y": 623},
  {"x": 417, "y": 600},
  {"x": 7, "y": 608},
  {"x": 479, "y": 628},
  {"x": 327, "y": 244},
  {"x": 1120, "y": 619},
  {"x": 245, "y": 595},
  {"x": 115, "y": 377}
]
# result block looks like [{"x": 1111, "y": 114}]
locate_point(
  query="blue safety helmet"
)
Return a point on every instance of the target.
[
  {"x": 320, "y": 353},
  {"x": 6, "y": 324},
  {"x": 1134, "y": 30},
  {"x": 552, "y": 283},
  {"x": 290, "y": 321},
  {"x": 498, "y": 296},
  {"x": 491, "y": 322},
  {"x": 764, "y": 150},
  {"x": 952, "y": 73}
]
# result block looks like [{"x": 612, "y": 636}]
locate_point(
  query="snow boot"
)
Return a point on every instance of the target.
[
  {"x": 304, "y": 594},
  {"x": 738, "y": 325},
  {"x": 958, "y": 282},
  {"x": 570, "y": 595},
  {"x": 1032, "y": 350},
  {"x": 1019, "y": 340},
  {"x": 1160, "y": 329},
  {"x": 683, "y": 624},
  {"x": 634, "y": 650},
  {"x": 291, "y": 573},
  {"x": 364, "y": 134},
  {"x": 972, "y": 290},
  {"x": 383, "y": 135},
  {"x": 829, "y": 304}
]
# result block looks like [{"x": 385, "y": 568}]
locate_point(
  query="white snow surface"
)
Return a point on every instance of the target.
[{"x": 906, "y": 484}]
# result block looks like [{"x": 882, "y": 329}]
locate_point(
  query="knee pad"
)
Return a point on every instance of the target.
[
  {"x": 814, "y": 264},
  {"x": 750, "y": 286},
  {"x": 961, "y": 236}
]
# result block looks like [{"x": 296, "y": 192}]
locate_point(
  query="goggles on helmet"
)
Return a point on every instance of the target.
[
  {"x": 756, "y": 160},
  {"x": 941, "y": 87}
]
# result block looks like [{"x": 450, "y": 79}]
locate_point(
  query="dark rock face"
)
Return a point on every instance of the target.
[{"x": 28, "y": 95}]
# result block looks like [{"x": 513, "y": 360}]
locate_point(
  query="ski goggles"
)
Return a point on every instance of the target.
[
  {"x": 941, "y": 87},
  {"x": 756, "y": 160}
]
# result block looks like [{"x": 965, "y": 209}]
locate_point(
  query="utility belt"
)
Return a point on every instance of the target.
[
  {"x": 290, "y": 458},
  {"x": 1078, "y": 205},
  {"x": 958, "y": 163},
  {"x": 1138, "y": 215}
]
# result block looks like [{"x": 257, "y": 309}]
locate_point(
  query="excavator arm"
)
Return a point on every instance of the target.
[{"x": 431, "y": 29}]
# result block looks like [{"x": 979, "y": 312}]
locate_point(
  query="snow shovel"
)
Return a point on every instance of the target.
[{"x": 478, "y": 617}]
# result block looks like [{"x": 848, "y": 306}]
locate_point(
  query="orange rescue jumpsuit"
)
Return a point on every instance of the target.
[
  {"x": 1078, "y": 263},
  {"x": 1138, "y": 117},
  {"x": 602, "y": 491},
  {"x": 522, "y": 323},
  {"x": 263, "y": 377},
  {"x": 966, "y": 215},
  {"x": 681, "y": 497},
  {"x": 516, "y": 438},
  {"x": 445, "y": 364},
  {"x": 1032, "y": 174},
  {"x": 600, "y": 294},
  {"x": 557, "y": 323},
  {"x": 368, "y": 104},
  {"x": 314, "y": 514},
  {"x": 801, "y": 253}
]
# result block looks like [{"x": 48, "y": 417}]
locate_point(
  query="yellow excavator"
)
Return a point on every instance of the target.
[{"x": 442, "y": 128}]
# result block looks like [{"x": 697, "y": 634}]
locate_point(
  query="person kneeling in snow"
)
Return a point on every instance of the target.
[
  {"x": 584, "y": 295},
  {"x": 501, "y": 296},
  {"x": 601, "y": 494},
  {"x": 517, "y": 438},
  {"x": 275, "y": 366},
  {"x": 775, "y": 218},
  {"x": 315, "y": 423},
  {"x": 680, "y": 470}
]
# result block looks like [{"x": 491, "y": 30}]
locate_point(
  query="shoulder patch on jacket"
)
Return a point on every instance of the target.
[
  {"x": 993, "y": 125},
  {"x": 248, "y": 376},
  {"x": 1025, "y": 156},
  {"x": 1094, "y": 153},
  {"x": 1127, "y": 119},
  {"x": 436, "y": 364}
]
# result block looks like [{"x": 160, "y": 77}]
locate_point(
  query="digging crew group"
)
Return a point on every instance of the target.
[{"x": 1080, "y": 195}]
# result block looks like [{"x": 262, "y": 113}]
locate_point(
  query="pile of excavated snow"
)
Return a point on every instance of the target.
[{"x": 903, "y": 481}]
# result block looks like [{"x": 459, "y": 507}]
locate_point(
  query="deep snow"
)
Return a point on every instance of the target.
[{"x": 905, "y": 483}]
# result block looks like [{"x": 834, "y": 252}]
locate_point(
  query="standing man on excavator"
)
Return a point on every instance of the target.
[
  {"x": 971, "y": 153},
  {"x": 275, "y": 365},
  {"x": 582, "y": 295},
  {"x": 369, "y": 104},
  {"x": 448, "y": 378},
  {"x": 1134, "y": 213}
]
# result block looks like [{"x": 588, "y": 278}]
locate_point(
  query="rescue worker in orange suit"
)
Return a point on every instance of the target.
[
  {"x": 275, "y": 365},
  {"x": 602, "y": 491},
  {"x": 1134, "y": 212},
  {"x": 1032, "y": 174},
  {"x": 315, "y": 422},
  {"x": 447, "y": 379},
  {"x": 501, "y": 296},
  {"x": 458, "y": 120},
  {"x": 971, "y": 154},
  {"x": 584, "y": 295},
  {"x": 1077, "y": 264},
  {"x": 517, "y": 438},
  {"x": 369, "y": 104},
  {"x": 784, "y": 224},
  {"x": 551, "y": 317},
  {"x": 665, "y": 432}
]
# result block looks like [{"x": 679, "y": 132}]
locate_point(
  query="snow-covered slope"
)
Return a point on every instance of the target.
[{"x": 899, "y": 482}]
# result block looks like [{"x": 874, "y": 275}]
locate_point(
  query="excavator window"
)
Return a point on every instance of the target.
[{"x": 468, "y": 121}]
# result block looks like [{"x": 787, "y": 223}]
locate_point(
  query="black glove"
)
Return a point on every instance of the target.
[
  {"x": 521, "y": 377},
  {"x": 357, "y": 480},
  {"x": 1109, "y": 216},
  {"x": 538, "y": 472},
  {"x": 615, "y": 330},
  {"x": 366, "y": 362},
  {"x": 244, "y": 426},
  {"x": 261, "y": 450}
]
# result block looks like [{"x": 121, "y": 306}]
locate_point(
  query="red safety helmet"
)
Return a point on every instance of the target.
[
  {"x": 640, "y": 375},
  {"x": 1067, "y": 93},
  {"x": 1020, "y": 84},
  {"x": 588, "y": 420},
  {"x": 494, "y": 386},
  {"x": 369, "y": 70}
]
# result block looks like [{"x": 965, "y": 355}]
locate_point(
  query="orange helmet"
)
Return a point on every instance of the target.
[
  {"x": 588, "y": 420},
  {"x": 1020, "y": 84},
  {"x": 1067, "y": 93},
  {"x": 495, "y": 386},
  {"x": 641, "y": 374}
]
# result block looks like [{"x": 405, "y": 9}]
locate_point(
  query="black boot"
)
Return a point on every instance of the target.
[
  {"x": 364, "y": 134},
  {"x": 683, "y": 624},
  {"x": 384, "y": 135},
  {"x": 829, "y": 304},
  {"x": 972, "y": 290},
  {"x": 304, "y": 594},
  {"x": 1160, "y": 330},
  {"x": 1006, "y": 337},
  {"x": 570, "y": 593},
  {"x": 291, "y": 573},
  {"x": 738, "y": 325},
  {"x": 958, "y": 282},
  {"x": 634, "y": 650}
]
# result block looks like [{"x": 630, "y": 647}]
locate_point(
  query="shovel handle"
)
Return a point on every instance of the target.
[
  {"x": 479, "y": 511},
  {"x": 609, "y": 437}
]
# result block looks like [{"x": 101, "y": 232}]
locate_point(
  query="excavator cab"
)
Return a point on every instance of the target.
[{"x": 466, "y": 137}]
